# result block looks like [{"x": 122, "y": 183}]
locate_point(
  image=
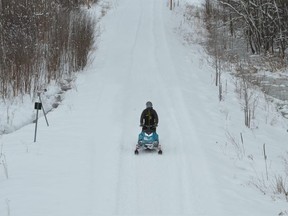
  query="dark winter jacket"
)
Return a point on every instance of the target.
[{"x": 149, "y": 117}]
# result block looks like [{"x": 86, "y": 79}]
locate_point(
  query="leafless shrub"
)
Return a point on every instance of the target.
[
  {"x": 248, "y": 97},
  {"x": 260, "y": 184},
  {"x": 275, "y": 187},
  {"x": 279, "y": 186},
  {"x": 238, "y": 146}
]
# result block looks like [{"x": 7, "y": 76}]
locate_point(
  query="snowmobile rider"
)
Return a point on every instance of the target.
[{"x": 149, "y": 118}]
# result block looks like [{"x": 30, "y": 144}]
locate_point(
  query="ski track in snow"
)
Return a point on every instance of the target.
[{"x": 152, "y": 184}]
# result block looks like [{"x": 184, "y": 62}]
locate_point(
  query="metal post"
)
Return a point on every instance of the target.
[
  {"x": 36, "y": 124},
  {"x": 37, "y": 106},
  {"x": 43, "y": 110}
]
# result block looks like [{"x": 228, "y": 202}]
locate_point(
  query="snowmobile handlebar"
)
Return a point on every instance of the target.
[{"x": 148, "y": 126}]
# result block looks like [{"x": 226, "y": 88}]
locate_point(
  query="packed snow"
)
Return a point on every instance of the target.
[{"x": 84, "y": 162}]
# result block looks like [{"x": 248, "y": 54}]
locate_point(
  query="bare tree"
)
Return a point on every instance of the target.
[{"x": 264, "y": 22}]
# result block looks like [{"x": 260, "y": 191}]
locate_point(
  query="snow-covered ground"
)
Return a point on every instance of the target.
[{"x": 83, "y": 164}]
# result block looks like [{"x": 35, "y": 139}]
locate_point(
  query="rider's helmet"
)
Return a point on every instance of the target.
[{"x": 149, "y": 104}]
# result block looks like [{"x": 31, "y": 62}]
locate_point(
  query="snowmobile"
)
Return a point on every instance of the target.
[{"x": 148, "y": 140}]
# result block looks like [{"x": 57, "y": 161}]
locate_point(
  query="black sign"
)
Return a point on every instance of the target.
[{"x": 38, "y": 106}]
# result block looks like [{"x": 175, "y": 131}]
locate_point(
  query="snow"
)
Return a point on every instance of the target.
[{"x": 84, "y": 162}]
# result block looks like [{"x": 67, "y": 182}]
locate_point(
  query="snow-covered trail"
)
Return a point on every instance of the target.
[{"x": 146, "y": 66}]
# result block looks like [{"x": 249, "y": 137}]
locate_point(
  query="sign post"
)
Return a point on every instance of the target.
[
  {"x": 38, "y": 107},
  {"x": 43, "y": 109}
]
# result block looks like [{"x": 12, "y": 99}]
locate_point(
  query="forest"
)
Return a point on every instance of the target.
[
  {"x": 42, "y": 41},
  {"x": 262, "y": 23},
  {"x": 249, "y": 38}
]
